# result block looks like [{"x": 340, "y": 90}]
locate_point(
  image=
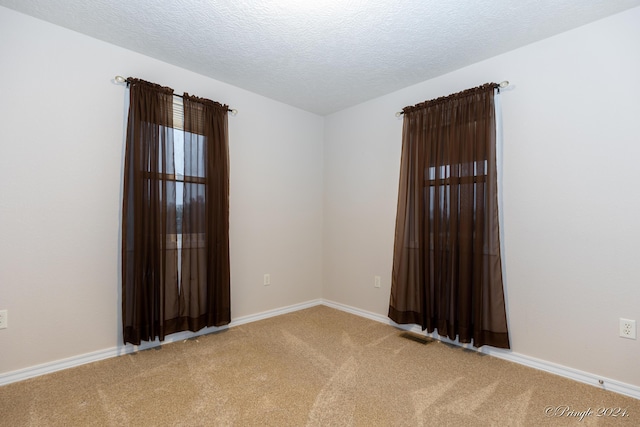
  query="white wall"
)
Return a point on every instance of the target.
[
  {"x": 61, "y": 149},
  {"x": 571, "y": 201},
  {"x": 313, "y": 200}
]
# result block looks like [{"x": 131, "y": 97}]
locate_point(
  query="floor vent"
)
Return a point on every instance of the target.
[{"x": 420, "y": 339}]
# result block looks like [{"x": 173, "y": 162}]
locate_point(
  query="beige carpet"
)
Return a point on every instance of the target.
[{"x": 315, "y": 367}]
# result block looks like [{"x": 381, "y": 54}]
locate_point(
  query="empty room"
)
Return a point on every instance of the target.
[{"x": 358, "y": 213}]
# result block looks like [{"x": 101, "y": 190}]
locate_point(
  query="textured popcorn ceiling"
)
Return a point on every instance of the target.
[{"x": 320, "y": 55}]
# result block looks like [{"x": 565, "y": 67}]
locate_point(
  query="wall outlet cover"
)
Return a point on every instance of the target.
[
  {"x": 628, "y": 328},
  {"x": 4, "y": 319}
]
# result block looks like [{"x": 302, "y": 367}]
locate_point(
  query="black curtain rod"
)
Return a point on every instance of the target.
[
  {"x": 122, "y": 80},
  {"x": 501, "y": 85}
]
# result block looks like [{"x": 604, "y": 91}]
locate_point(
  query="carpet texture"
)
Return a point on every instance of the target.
[{"x": 315, "y": 367}]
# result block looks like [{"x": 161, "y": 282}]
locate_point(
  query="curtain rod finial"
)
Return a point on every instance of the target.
[
  {"x": 504, "y": 83},
  {"x": 399, "y": 113},
  {"x": 120, "y": 79}
]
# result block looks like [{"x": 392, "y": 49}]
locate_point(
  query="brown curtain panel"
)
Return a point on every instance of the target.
[
  {"x": 447, "y": 272},
  {"x": 175, "y": 244}
]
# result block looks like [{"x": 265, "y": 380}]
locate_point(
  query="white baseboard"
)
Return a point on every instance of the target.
[
  {"x": 277, "y": 312},
  {"x": 553, "y": 368},
  {"x": 542, "y": 365},
  {"x": 58, "y": 365}
]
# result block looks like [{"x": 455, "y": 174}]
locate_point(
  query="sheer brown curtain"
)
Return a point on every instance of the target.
[
  {"x": 175, "y": 245},
  {"x": 447, "y": 272},
  {"x": 205, "y": 218}
]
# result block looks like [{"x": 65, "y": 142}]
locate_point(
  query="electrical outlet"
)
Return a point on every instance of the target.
[
  {"x": 628, "y": 328},
  {"x": 267, "y": 279},
  {"x": 4, "y": 319},
  {"x": 376, "y": 281}
]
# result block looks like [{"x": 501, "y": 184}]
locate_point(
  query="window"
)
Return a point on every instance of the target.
[
  {"x": 175, "y": 214},
  {"x": 447, "y": 273}
]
